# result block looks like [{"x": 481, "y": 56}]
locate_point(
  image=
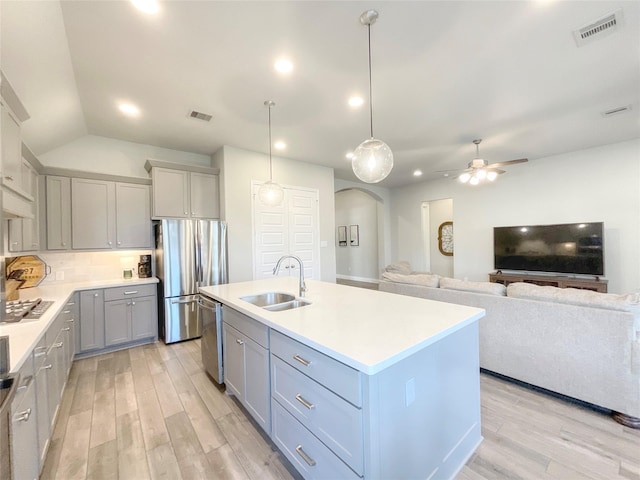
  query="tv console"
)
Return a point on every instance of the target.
[{"x": 595, "y": 284}]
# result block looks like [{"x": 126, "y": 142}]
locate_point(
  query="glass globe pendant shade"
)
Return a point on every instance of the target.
[
  {"x": 372, "y": 161},
  {"x": 465, "y": 177},
  {"x": 270, "y": 193}
]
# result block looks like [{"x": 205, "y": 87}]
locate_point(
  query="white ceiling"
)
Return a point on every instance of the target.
[{"x": 444, "y": 73}]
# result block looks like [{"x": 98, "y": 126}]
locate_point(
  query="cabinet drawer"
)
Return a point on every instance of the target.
[
  {"x": 130, "y": 291},
  {"x": 336, "y": 422},
  {"x": 336, "y": 376},
  {"x": 308, "y": 454},
  {"x": 251, "y": 328}
]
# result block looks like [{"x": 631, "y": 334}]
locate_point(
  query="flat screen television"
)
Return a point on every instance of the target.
[{"x": 575, "y": 248}]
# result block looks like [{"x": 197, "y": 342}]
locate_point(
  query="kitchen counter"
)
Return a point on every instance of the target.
[
  {"x": 365, "y": 329},
  {"x": 24, "y": 335}
]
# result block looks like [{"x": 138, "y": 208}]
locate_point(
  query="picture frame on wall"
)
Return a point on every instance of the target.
[
  {"x": 342, "y": 235},
  {"x": 354, "y": 235}
]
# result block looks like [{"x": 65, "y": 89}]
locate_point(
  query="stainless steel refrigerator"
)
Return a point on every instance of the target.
[{"x": 189, "y": 254}]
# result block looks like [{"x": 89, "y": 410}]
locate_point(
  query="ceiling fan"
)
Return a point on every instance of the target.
[{"x": 480, "y": 169}]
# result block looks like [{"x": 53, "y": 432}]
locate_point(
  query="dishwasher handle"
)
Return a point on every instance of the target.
[{"x": 207, "y": 303}]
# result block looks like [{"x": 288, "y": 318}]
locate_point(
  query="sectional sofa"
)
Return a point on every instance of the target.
[{"x": 578, "y": 343}]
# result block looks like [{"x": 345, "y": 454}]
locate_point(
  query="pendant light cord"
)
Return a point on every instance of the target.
[
  {"x": 270, "y": 163},
  {"x": 370, "y": 88}
]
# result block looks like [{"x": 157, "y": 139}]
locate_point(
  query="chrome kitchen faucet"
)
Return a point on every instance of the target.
[{"x": 303, "y": 286}]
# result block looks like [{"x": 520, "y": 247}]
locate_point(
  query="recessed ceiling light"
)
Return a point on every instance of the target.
[
  {"x": 356, "y": 101},
  {"x": 280, "y": 145},
  {"x": 283, "y": 65},
  {"x": 349, "y": 155},
  {"x": 147, "y": 6},
  {"x": 417, "y": 173},
  {"x": 129, "y": 109}
]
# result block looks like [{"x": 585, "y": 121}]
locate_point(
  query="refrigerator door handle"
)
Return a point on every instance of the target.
[{"x": 184, "y": 301}]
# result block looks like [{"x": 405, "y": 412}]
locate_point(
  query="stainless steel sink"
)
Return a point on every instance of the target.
[
  {"x": 287, "y": 305},
  {"x": 275, "y": 301},
  {"x": 268, "y": 298}
]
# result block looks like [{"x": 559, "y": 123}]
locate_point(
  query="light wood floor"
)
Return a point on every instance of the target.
[{"x": 151, "y": 412}]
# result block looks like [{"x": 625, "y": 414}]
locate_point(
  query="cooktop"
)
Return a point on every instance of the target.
[{"x": 25, "y": 309}]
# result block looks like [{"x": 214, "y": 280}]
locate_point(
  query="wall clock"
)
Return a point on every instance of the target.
[{"x": 445, "y": 238}]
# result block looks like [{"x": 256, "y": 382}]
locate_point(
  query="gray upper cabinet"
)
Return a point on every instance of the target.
[
  {"x": 93, "y": 214},
  {"x": 58, "y": 208},
  {"x": 108, "y": 215},
  {"x": 11, "y": 150},
  {"x": 133, "y": 216},
  {"x": 185, "y": 194},
  {"x": 24, "y": 232}
]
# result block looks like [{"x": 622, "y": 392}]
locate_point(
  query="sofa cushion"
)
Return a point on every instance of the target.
[
  {"x": 574, "y": 296},
  {"x": 427, "y": 280},
  {"x": 402, "y": 267},
  {"x": 477, "y": 287}
]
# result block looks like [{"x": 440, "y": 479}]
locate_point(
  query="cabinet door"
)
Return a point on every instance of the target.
[
  {"x": 92, "y": 213},
  {"x": 15, "y": 234},
  {"x": 91, "y": 320},
  {"x": 205, "y": 195},
  {"x": 117, "y": 322},
  {"x": 257, "y": 393},
  {"x": 25, "y": 434},
  {"x": 233, "y": 352},
  {"x": 42, "y": 404},
  {"x": 144, "y": 319},
  {"x": 170, "y": 193},
  {"x": 30, "y": 226},
  {"x": 11, "y": 148},
  {"x": 58, "y": 208},
  {"x": 133, "y": 216}
]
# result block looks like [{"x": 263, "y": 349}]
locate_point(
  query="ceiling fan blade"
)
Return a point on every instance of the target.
[
  {"x": 508, "y": 162},
  {"x": 497, "y": 170}
]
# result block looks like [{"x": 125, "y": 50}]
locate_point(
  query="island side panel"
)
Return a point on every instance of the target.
[{"x": 424, "y": 412}]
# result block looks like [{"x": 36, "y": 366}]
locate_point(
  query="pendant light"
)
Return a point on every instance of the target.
[
  {"x": 270, "y": 193},
  {"x": 372, "y": 160}
]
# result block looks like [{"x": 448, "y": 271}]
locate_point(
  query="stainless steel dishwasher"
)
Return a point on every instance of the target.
[{"x": 210, "y": 313}]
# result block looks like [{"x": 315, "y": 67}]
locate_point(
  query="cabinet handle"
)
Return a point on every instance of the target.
[
  {"x": 119, "y": 243},
  {"x": 66, "y": 311},
  {"x": 239, "y": 342},
  {"x": 303, "y": 361},
  {"x": 48, "y": 367},
  {"x": 95, "y": 294},
  {"x": 9, "y": 177},
  {"x": 25, "y": 383},
  {"x": 23, "y": 416},
  {"x": 133, "y": 303},
  {"x": 70, "y": 304},
  {"x": 34, "y": 244},
  {"x": 71, "y": 320},
  {"x": 58, "y": 345},
  {"x": 131, "y": 292},
  {"x": 64, "y": 244},
  {"x": 306, "y": 403},
  {"x": 66, "y": 329},
  {"x": 310, "y": 461},
  {"x": 14, "y": 243}
]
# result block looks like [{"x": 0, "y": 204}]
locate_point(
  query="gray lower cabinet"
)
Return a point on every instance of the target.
[
  {"x": 24, "y": 426},
  {"x": 116, "y": 316},
  {"x": 42, "y": 367},
  {"x": 246, "y": 361},
  {"x": 91, "y": 320}
]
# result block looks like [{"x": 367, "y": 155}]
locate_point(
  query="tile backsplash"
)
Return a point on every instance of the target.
[{"x": 83, "y": 266}]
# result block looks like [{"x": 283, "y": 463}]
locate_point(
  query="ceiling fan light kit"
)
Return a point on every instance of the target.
[
  {"x": 270, "y": 193},
  {"x": 480, "y": 170},
  {"x": 372, "y": 161}
]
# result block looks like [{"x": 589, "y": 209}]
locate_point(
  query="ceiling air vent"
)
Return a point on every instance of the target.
[
  {"x": 599, "y": 28},
  {"x": 200, "y": 116},
  {"x": 616, "y": 111}
]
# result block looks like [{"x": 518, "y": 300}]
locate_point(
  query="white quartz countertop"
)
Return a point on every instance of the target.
[
  {"x": 366, "y": 329},
  {"x": 25, "y": 335}
]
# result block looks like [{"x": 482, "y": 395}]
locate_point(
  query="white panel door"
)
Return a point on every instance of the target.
[{"x": 288, "y": 229}]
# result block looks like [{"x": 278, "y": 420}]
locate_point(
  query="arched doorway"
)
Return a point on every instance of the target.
[{"x": 360, "y": 213}]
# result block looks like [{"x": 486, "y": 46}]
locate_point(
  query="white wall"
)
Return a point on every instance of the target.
[
  {"x": 597, "y": 184},
  {"x": 237, "y": 169},
  {"x": 92, "y": 153},
  {"x": 354, "y": 207}
]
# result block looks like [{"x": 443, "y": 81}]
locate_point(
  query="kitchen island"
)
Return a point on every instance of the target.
[{"x": 359, "y": 383}]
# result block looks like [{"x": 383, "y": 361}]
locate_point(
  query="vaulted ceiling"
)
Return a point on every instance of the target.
[{"x": 444, "y": 73}]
